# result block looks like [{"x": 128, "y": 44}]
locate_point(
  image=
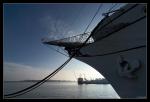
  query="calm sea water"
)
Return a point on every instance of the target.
[{"x": 63, "y": 90}]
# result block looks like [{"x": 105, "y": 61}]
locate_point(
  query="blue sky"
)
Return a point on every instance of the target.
[{"x": 26, "y": 24}]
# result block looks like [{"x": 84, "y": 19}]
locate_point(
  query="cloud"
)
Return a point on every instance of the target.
[
  {"x": 57, "y": 28},
  {"x": 14, "y": 71}
]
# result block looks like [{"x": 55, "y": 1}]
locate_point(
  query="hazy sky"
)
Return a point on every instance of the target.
[{"x": 25, "y": 57}]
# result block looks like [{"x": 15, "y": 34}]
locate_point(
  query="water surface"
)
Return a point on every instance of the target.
[{"x": 63, "y": 90}]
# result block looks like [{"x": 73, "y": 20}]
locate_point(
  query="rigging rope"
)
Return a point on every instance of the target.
[
  {"x": 59, "y": 52},
  {"x": 88, "y": 27},
  {"x": 112, "y": 7},
  {"x": 137, "y": 20},
  {"x": 93, "y": 17},
  {"x": 28, "y": 89},
  {"x": 38, "y": 83},
  {"x": 94, "y": 32}
]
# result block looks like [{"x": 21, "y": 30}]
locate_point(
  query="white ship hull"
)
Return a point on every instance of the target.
[
  {"x": 118, "y": 51},
  {"x": 127, "y": 46}
]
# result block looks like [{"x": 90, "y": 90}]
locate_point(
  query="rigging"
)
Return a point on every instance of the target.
[{"x": 30, "y": 88}]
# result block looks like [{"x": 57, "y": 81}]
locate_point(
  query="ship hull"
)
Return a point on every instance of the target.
[
  {"x": 108, "y": 66},
  {"x": 118, "y": 51},
  {"x": 121, "y": 56}
]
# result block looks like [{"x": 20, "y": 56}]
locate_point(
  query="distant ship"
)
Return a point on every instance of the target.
[
  {"x": 80, "y": 80},
  {"x": 96, "y": 81},
  {"x": 117, "y": 49}
]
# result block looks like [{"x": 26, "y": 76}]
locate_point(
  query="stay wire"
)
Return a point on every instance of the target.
[
  {"x": 85, "y": 29},
  {"x": 99, "y": 7},
  {"x": 93, "y": 17},
  {"x": 59, "y": 52},
  {"x": 112, "y": 7},
  {"x": 18, "y": 93}
]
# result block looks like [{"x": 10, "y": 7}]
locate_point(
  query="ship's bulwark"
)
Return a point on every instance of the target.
[{"x": 126, "y": 70}]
